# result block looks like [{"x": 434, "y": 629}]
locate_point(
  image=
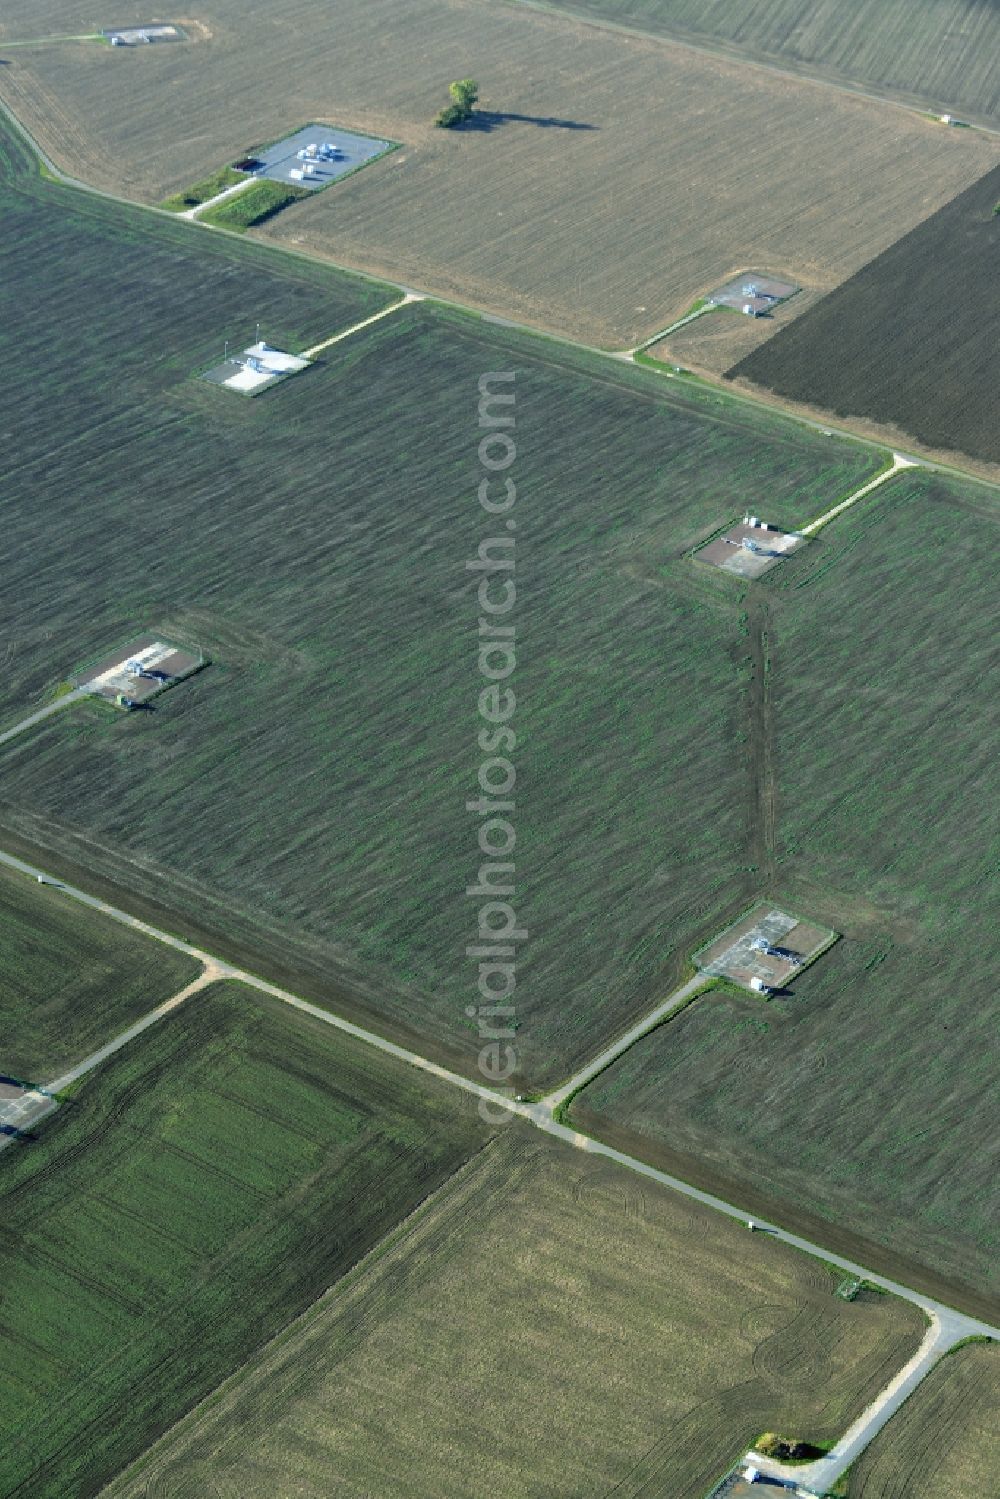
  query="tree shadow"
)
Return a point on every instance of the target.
[{"x": 489, "y": 119}]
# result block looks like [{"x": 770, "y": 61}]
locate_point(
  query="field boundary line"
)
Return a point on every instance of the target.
[
  {"x": 718, "y": 388},
  {"x": 718, "y": 50},
  {"x": 537, "y": 1114},
  {"x": 949, "y": 1326},
  {"x": 411, "y": 296}
]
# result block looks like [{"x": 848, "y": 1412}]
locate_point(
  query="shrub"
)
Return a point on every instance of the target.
[{"x": 451, "y": 115}]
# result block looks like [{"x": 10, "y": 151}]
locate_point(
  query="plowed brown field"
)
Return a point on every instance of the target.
[
  {"x": 911, "y": 339},
  {"x": 935, "y": 52},
  {"x": 544, "y": 1326},
  {"x": 614, "y": 178}
]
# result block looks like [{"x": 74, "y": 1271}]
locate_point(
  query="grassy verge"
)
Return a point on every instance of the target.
[
  {"x": 258, "y": 204},
  {"x": 204, "y": 191}
]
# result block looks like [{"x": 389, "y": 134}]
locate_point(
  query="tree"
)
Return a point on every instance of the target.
[{"x": 464, "y": 93}]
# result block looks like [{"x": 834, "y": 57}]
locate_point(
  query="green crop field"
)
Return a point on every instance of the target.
[
  {"x": 546, "y": 1326},
  {"x": 936, "y": 52},
  {"x": 910, "y": 340},
  {"x": 867, "y": 1097},
  {"x": 196, "y": 1194},
  {"x": 307, "y": 791},
  {"x": 945, "y": 1441},
  {"x": 71, "y": 979}
]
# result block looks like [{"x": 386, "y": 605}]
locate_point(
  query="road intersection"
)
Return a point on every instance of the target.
[{"x": 947, "y": 1327}]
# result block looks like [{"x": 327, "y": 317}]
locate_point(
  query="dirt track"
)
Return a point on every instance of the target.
[{"x": 763, "y": 794}]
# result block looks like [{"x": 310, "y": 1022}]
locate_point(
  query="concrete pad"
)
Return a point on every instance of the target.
[
  {"x": 110, "y": 676},
  {"x": 280, "y": 161},
  {"x": 766, "y": 294},
  {"x": 238, "y": 374},
  {"x": 791, "y": 944},
  {"x": 749, "y": 551}
]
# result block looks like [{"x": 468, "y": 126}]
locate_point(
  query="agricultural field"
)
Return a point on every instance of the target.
[
  {"x": 938, "y": 53},
  {"x": 944, "y": 1441},
  {"x": 909, "y": 342},
  {"x": 194, "y": 1196},
  {"x": 72, "y": 979},
  {"x": 313, "y": 543},
  {"x": 713, "y": 343},
  {"x": 863, "y": 1101},
  {"x": 610, "y": 180},
  {"x": 544, "y": 1326}
]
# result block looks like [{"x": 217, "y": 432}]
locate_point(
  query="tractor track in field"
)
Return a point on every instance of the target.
[
  {"x": 763, "y": 790},
  {"x": 947, "y": 1326}
]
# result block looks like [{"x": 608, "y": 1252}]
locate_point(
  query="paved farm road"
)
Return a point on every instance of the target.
[
  {"x": 586, "y": 1074},
  {"x": 947, "y": 1326},
  {"x": 42, "y": 714},
  {"x": 955, "y": 1324}
]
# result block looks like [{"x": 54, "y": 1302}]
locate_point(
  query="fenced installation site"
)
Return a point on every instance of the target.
[
  {"x": 313, "y": 157},
  {"x": 751, "y": 548},
  {"x": 764, "y": 950},
  {"x": 133, "y": 674}
]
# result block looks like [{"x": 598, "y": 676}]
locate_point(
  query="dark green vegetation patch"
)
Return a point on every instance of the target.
[
  {"x": 258, "y": 203},
  {"x": 199, "y": 1192},
  {"x": 867, "y": 1095},
  {"x": 306, "y": 793},
  {"x": 911, "y": 340},
  {"x": 72, "y": 979},
  {"x": 939, "y": 52},
  {"x": 202, "y": 191}
]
